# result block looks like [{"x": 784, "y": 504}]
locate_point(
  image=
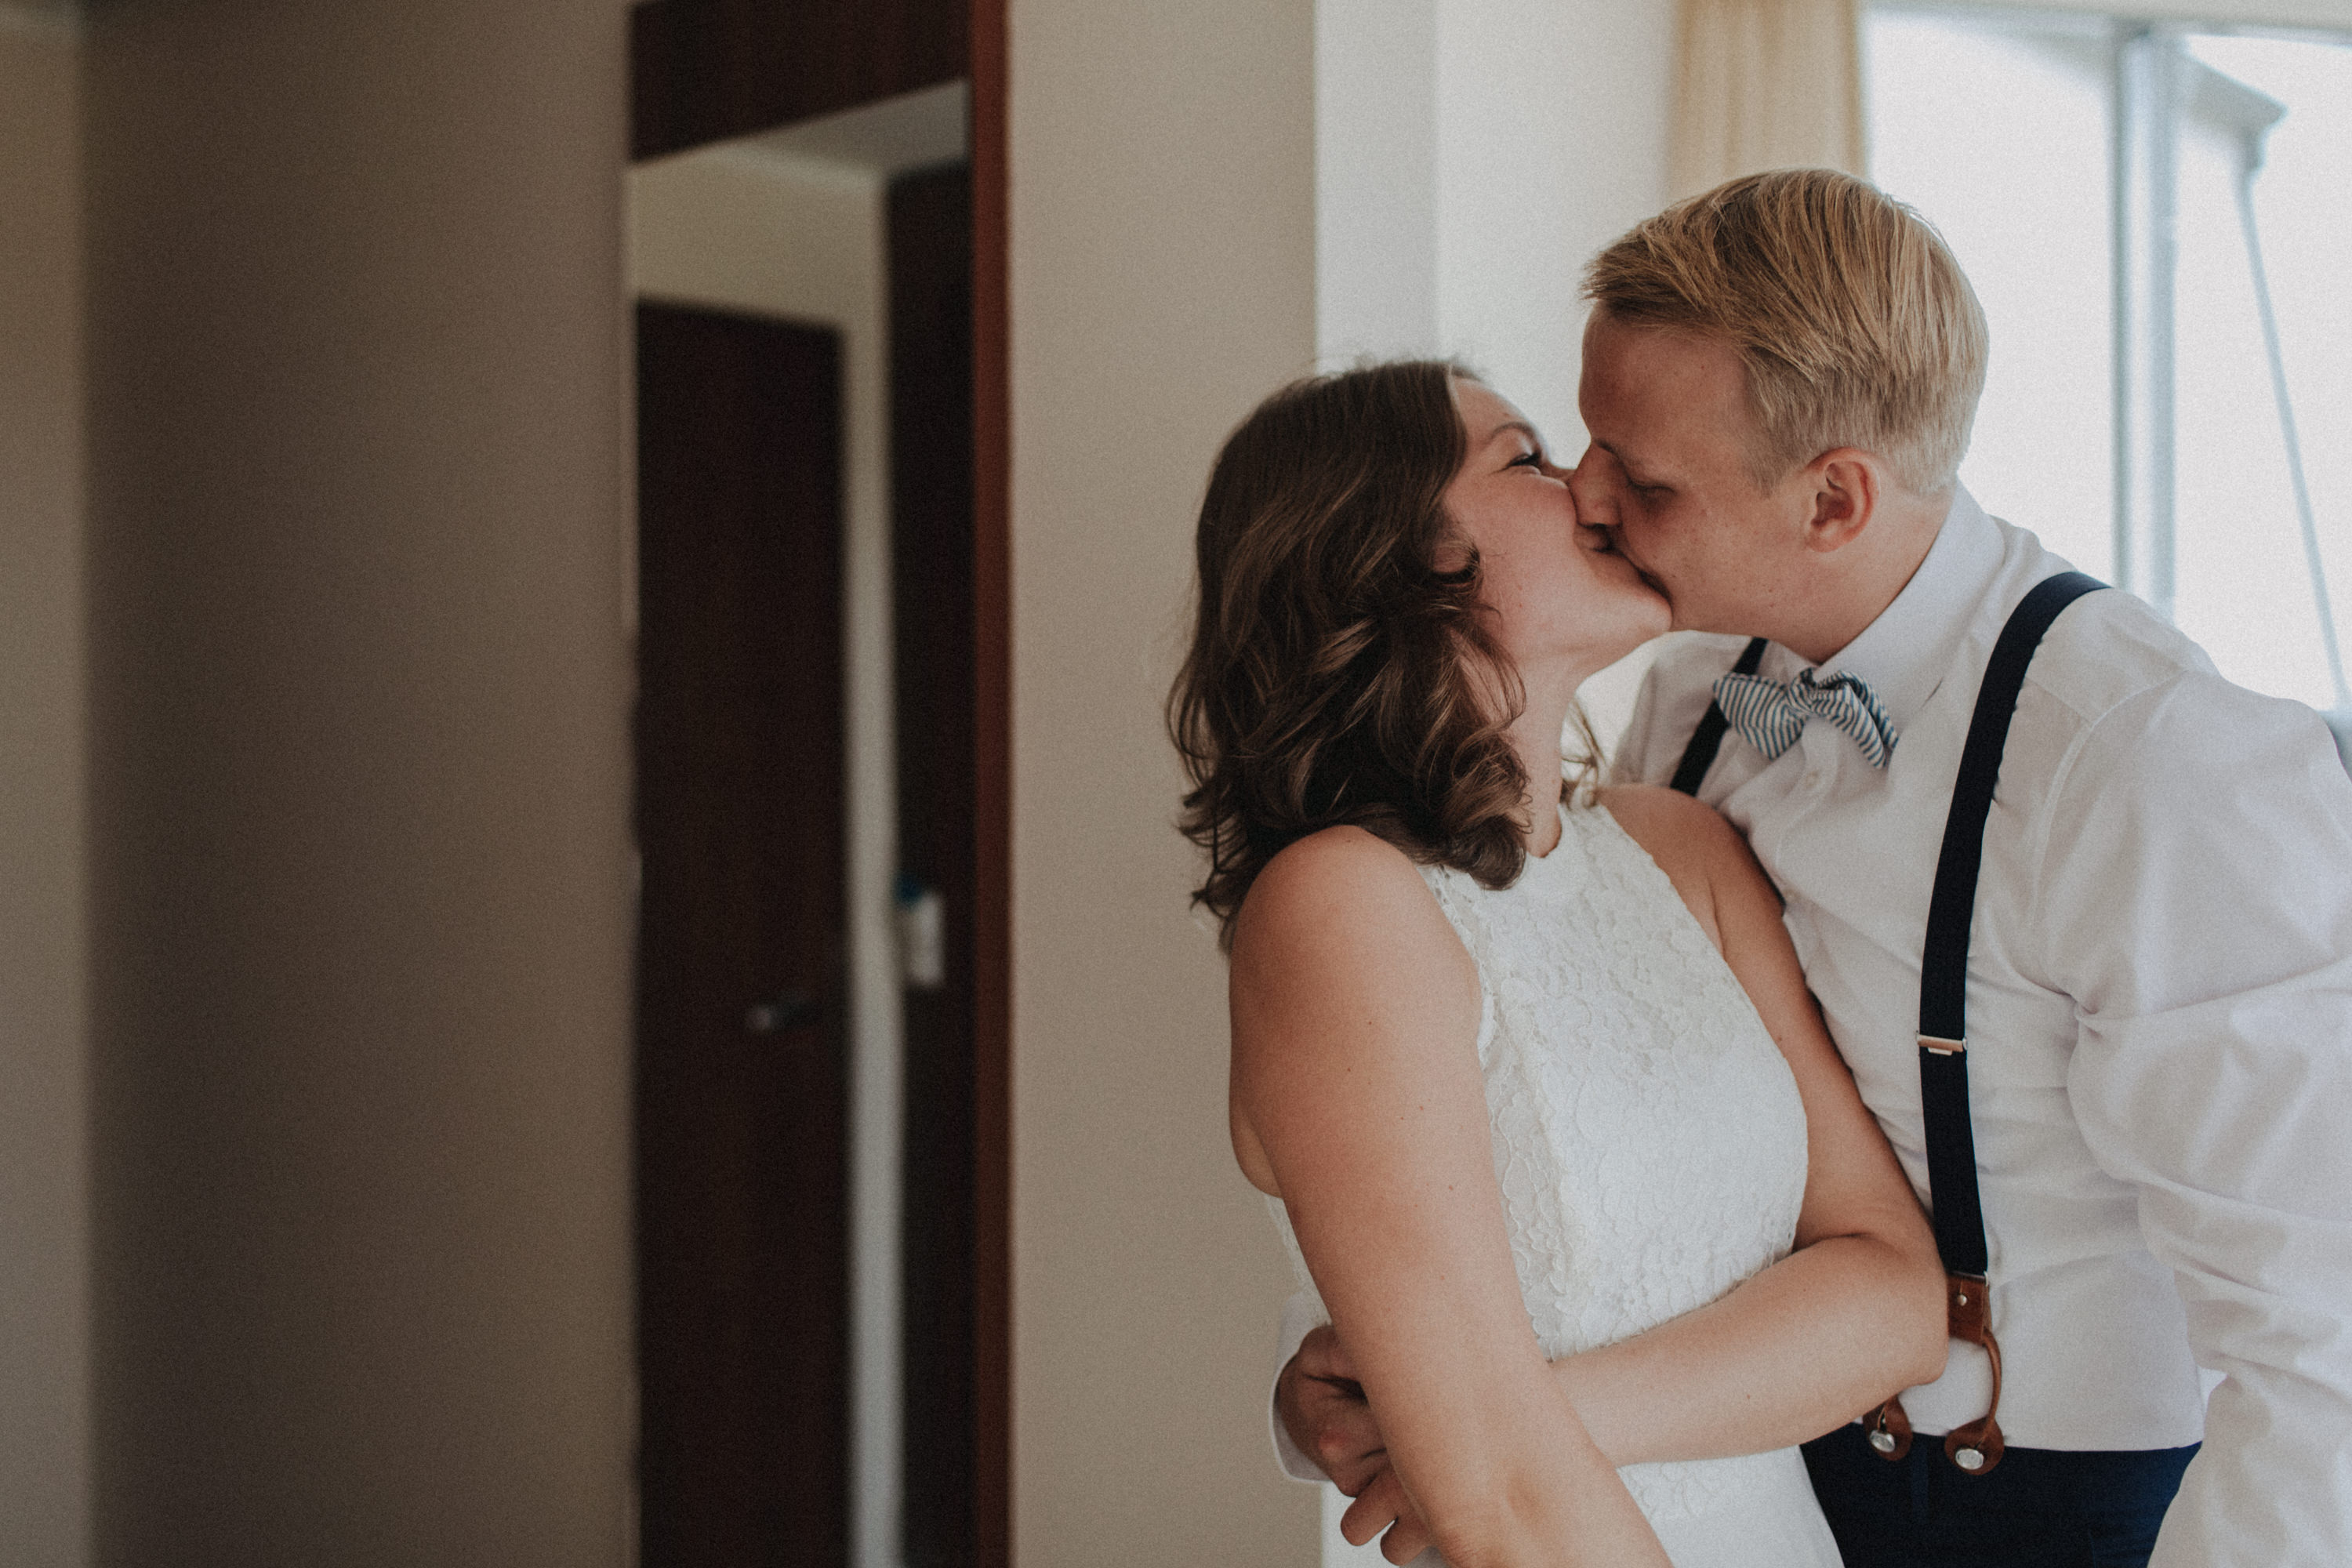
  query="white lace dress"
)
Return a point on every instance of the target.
[{"x": 1649, "y": 1140}]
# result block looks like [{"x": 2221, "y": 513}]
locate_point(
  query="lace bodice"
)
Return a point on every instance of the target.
[{"x": 1648, "y": 1136}]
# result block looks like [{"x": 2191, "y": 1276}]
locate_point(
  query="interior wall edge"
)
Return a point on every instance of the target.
[{"x": 44, "y": 996}]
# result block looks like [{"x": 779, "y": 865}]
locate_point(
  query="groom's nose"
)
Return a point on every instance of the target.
[{"x": 1589, "y": 483}]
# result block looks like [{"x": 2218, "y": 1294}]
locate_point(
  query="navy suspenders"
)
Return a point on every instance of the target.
[
  {"x": 1708, "y": 739},
  {"x": 1975, "y": 1447}
]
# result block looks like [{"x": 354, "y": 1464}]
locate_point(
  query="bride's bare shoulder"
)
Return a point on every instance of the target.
[
  {"x": 1342, "y": 961},
  {"x": 1340, "y": 914},
  {"x": 1337, "y": 871}
]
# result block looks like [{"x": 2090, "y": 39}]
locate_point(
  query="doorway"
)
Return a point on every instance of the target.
[{"x": 918, "y": 1177}]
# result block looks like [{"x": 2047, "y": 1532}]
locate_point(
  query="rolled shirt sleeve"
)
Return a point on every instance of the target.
[
  {"x": 2196, "y": 894},
  {"x": 1301, "y": 1315}
]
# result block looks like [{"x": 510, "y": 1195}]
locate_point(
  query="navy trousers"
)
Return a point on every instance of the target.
[{"x": 2039, "y": 1507}]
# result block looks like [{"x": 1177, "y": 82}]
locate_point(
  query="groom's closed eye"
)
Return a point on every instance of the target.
[{"x": 1640, "y": 486}]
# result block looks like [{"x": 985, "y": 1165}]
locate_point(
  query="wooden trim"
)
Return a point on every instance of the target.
[{"x": 992, "y": 670}]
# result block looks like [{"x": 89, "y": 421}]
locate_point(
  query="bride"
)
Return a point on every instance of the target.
[{"x": 1551, "y": 1119}]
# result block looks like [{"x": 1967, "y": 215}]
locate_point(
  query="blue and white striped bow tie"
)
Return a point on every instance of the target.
[{"x": 1769, "y": 714}]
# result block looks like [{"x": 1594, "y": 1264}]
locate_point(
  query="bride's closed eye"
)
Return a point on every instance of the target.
[{"x": 1527, "y": 460}]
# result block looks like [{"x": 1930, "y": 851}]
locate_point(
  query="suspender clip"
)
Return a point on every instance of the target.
[
  {"x": 1977, "y": 1447},
  {"x": 1935, "y": 1045}
]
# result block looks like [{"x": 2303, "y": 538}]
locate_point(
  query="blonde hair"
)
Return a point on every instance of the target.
[{"x": 1854, "y": 325}]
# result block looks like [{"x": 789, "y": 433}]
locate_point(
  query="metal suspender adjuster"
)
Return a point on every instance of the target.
[{"x": 1975, "y": 1447}]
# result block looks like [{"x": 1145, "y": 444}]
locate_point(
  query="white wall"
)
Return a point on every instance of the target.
[
  {"x": 44, "y": 1153},
  {"x": 771, "y": 234},
  {"x": 1376, "y": 241},
  {"x": 1471, "y": 156},
  {"x": 1552, "y": 120},
  {"x": 1552, "y": 127}
]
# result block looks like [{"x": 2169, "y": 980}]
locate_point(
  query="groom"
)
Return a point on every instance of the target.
[{"x": 1779, "y": 381}]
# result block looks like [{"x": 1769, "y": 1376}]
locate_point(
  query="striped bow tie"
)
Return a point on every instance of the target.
[{"x": 1770, "y": 715}]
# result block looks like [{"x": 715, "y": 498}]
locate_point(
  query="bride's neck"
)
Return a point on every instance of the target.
[{"x": 1535, "y": 737}]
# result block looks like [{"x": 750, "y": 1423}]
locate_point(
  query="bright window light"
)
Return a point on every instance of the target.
[{"x": 2002, "y": 128}]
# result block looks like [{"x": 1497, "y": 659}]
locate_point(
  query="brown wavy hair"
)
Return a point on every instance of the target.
[{"x": 1337, "y": 663}]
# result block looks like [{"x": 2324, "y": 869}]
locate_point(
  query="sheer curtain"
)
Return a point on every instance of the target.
[{"x": 1765, "y": 84}]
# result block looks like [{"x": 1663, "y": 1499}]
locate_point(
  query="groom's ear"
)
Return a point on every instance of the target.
[{"x": 1841, "y": 487}]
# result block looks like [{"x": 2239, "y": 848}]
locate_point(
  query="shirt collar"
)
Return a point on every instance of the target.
[{"x": 1904, "y": 653}]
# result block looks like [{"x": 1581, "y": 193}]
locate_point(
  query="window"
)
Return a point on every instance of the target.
[{"x": 2153, "y": 216}]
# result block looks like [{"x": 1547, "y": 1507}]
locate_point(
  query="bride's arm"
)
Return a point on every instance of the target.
[
  {"x": 1853, "y": 1315},
  {"x": 1358, "y": 1099}
]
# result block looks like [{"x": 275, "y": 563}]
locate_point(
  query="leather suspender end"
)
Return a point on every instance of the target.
[{"x": 1939, "y": 1045}]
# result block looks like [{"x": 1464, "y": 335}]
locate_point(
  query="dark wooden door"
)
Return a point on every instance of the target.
[
  {"x": 932, "y": 598},
  {"x": 742, "y": 1081}
]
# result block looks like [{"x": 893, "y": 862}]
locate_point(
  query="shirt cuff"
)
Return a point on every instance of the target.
[{"x": 1300, "y": 1315}]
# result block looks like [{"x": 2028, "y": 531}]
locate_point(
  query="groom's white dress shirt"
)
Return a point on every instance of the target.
[
  {"x": 2159, "y": 1023},
  {"x": 2160, "y": 1017}
]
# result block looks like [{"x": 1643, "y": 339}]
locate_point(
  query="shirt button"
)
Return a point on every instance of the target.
[{"x": 1813, "y": 778}]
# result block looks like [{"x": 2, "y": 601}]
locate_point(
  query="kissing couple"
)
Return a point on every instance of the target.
[{"x": 1904, "y": 1110}]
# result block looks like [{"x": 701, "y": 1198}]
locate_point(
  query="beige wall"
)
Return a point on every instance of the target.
[
  {"x": 360, "y": 887},
  {"x": 44, "y": 1233},
  {"x": 1163, "y": 269}
]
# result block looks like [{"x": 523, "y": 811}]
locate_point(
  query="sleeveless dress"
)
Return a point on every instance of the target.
[{"x": 1649, "y": 1140}]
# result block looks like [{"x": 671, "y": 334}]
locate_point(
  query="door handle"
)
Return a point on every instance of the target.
[{"x": 793, "y": 1010}]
